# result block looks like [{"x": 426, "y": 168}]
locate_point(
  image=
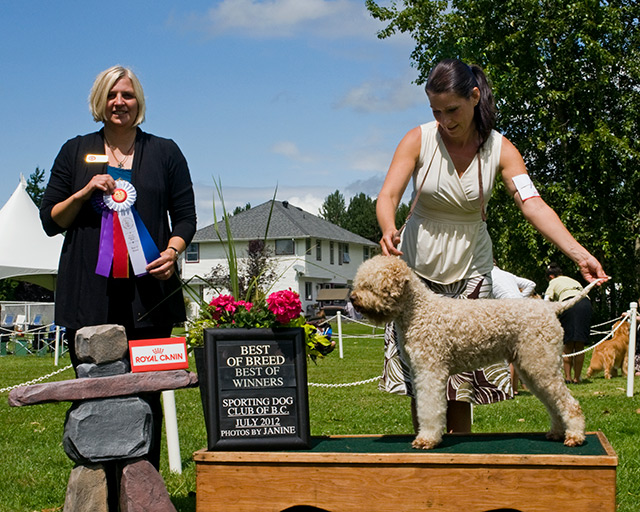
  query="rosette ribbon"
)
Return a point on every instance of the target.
[{"x": 123, "y": 235}]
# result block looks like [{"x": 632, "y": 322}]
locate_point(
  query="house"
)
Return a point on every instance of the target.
[{"x": 310, "y": 253}]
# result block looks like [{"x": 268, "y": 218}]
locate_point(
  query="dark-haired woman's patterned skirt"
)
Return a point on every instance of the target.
[{"x": 482, "y": 386}]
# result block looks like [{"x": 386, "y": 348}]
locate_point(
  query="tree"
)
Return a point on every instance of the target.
[
  {"x": 401, "y": 214},
  {"x": 566, "y": 77},
  {"x": 256, "y": 273},
  {"x": 361, "y": 217},
  {"x": 240, "y": 209},
  {"x": 8, "y": 289},
  {"x": 34, "y": 187},
  {"x": 333, "y": 209},
  {"x": 259, "y": 269}
]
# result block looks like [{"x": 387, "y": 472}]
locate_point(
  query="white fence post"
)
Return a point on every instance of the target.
[
  {"x": 56, "y": 349},
  {"x": 631, "y": 366},
  {"x": 339, "y": 315},
  {"x": 171, "y": 426}
]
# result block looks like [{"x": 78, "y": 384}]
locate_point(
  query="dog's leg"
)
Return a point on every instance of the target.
[
  {"x": 431, "y": 405},
  {"x": 567, "y": 420},
  {"x": 608, "y": 362}
]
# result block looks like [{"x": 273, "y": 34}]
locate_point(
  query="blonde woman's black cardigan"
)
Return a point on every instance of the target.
[{"x": 165, "y": 202}]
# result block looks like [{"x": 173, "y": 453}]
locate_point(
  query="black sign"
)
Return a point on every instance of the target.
[{"x": 257, "y": 389}]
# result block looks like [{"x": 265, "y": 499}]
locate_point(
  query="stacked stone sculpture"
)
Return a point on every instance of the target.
[{"x": 108, "y": 422}]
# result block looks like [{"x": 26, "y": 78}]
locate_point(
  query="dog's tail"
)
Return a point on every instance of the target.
[{"x": 561, "y": 307}]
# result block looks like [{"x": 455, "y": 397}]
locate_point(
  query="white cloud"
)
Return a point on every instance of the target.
[
  {"x": 384, "y": 95},
  {"x": 286, "y": 18},
  {"x": 370, "y": 186},
  {"x": 309, "y": 202},
  {"x": 290, "y": 150},
  {"x": 309, "y": 199}
]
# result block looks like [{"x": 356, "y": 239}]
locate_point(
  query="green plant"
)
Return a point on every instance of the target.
[{"x": 280, "y": 309}]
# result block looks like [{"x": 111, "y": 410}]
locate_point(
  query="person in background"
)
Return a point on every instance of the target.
[
  {"x": 92, "y": 289},
  {"x": 576, "y": 321},
  {"x": 351, "y": 311},
  {"x": 506, "y": 285},
  {"x": 453, "y": 163}
]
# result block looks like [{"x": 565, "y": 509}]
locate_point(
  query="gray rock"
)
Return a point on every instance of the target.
[
  {"x": 142, "y": 489},
  {"x": 88, "y": 370},
  {"x": 101, "y": 343},
  {"x": 87, "y": 490},
  {"x": 102, "y": 387},
  {"x": 109, "y": 429}
]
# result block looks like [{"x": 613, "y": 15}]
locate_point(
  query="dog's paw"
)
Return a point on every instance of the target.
[
  {"x": 421, "y": 443},
  {"x": 574, "y": 440},
  {"x": 555, "y": 436}
]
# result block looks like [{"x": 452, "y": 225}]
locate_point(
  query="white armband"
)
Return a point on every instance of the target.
[{"x": 525, "y": 187}]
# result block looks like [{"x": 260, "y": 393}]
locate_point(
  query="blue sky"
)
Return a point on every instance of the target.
[{"x": 298, "y": 94}]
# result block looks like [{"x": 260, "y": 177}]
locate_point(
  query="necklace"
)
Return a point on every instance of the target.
[{"x": 126, "y": 153}]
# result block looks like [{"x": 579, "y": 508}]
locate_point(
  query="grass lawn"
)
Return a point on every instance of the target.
[{"x": 35, "y": 469}]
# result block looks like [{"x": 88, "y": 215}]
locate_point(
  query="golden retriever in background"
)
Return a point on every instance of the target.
[{"x": 612, "y": 353}]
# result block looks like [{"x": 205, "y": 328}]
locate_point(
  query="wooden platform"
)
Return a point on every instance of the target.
[{"x": 470, "y": 473}]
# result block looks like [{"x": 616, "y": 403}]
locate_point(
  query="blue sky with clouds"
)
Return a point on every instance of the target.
[{"x": 298, "y": 94}]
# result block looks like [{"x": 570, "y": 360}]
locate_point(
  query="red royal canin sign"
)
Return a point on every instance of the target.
[{"x": 158, "y": 354}]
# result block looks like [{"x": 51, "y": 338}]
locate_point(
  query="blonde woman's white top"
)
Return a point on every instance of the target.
[{"x": 446, "y": 239}]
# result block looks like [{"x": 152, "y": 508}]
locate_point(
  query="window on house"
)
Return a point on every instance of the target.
[
  {"x": 331, "y": 261},
  {"x": 285, "y": 247},
  {"x": 192, "y": 254},
  {"x": 307, "y": 246},
  {"x": 345, "y": 253},
  {"x": 365, "y": 253},
  {"x": 318, "y": 249},
  {"x": 308, "y": 290},
  {"x": 340, "y": 253}
]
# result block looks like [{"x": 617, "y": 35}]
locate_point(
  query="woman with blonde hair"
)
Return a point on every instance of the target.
[{"x": 125, "y": 200}]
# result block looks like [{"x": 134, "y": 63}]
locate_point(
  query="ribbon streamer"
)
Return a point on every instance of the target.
[{"x": 123, "y": 235}]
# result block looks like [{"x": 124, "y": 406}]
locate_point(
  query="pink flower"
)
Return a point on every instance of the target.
[
  {"x": 246, "y": 305},
  {"x": 222, "y": 303},
  {"x": 285, "y": 305}
]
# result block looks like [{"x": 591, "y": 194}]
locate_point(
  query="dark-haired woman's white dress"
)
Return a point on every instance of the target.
[{"x": 447, "y": 244}]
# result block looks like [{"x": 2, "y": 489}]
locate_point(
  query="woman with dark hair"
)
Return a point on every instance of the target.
[
  {"x": 453, "y": 163},
  {"x": 576, "y": 322}
]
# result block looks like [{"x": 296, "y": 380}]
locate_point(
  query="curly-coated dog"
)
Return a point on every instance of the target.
[
  {"x": 442, "y": 336},
  {"x": 613, "y": 353}
]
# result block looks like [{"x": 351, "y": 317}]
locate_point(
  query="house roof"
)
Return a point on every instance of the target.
[{"x": 287, "y": 221}]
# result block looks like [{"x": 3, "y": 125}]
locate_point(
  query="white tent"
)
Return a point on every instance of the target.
[{"x": 26, "y": 252}]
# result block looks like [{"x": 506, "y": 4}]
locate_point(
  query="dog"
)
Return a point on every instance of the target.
[
  {"x": 440, "y": 337},
  {"x": 612, "y": 353}
]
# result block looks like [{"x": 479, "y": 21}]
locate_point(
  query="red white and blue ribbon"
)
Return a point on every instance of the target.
[{"x": 123, "y": 235}]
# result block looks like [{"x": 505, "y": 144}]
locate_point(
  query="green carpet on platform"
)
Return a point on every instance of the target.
[{"x": 514, "y": 444}]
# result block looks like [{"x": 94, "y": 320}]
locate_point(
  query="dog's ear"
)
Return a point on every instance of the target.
[{"x": 390, "y": 276}]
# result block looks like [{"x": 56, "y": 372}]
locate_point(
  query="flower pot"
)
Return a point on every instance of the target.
[{"x": 253, "y": 385}]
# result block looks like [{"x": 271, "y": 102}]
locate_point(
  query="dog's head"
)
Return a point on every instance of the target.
[{"x": 379, "y": 287}]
